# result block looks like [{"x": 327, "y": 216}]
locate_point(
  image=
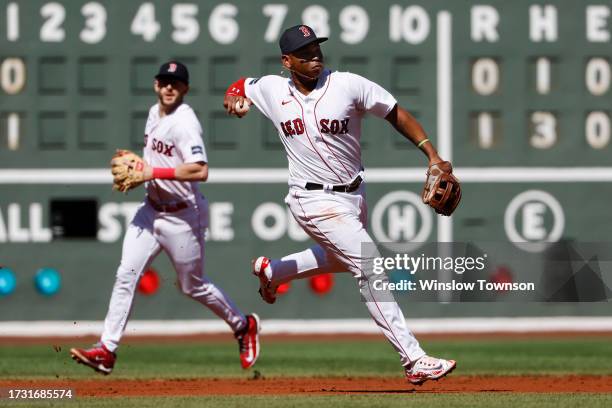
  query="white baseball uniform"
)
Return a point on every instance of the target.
[
  {"x": 173, "y": 217},
  {"x": 321, "y": 133}
]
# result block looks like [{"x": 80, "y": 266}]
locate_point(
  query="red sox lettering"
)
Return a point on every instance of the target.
[
  {"x": 161, "y": 147},
  {"x": 335, "y": 127}
]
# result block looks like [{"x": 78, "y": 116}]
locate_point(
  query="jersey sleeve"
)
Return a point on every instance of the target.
[
  {"x": 261, "y": 91},
  {"x": 371, "y": 97},
  {"x": 189, "y": 142}
]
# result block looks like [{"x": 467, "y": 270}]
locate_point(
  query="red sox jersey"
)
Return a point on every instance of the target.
[
  {"x": 321, "y": 131},
  {"x": 169, "y": 141}
]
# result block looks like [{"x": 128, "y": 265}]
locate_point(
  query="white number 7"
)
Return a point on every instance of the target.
[{"x": 277, "y": 13}]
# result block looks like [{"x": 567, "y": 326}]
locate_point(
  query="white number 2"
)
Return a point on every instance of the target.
[{"x": 51, "y": 30}]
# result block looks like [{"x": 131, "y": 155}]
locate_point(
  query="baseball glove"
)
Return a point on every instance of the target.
[
  {"x": 442, "y": 190},
  {"x": 128, "y": 170}
]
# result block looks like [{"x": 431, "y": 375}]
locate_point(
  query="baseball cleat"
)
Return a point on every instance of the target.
[
  {"x": 429, "y": 368},
  {"x": 262, "y": 269},
  {"x": 97, "y": 357},
  {"x": 248, "y": 341}
]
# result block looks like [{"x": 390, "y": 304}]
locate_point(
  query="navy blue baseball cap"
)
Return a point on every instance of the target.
[
  {"x": 296, "y": 37},
  {"x": 173, "y": 70}
]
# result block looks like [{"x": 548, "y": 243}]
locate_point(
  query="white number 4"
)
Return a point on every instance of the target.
[{"x": 144, "y": 22}]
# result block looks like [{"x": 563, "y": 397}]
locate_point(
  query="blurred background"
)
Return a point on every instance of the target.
[{"x": 516, "y": 94}]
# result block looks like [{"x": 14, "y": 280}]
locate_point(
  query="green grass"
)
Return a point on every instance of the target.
[
  {"x": 481, "y": 400},
  {"x": 318, "y": 359},
  {"x": 368, "y": 358}
]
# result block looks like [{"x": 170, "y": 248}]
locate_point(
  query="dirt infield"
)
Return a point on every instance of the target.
[
  {"x": 286, "y": 386},
  {"x": 282, "y": 338}
]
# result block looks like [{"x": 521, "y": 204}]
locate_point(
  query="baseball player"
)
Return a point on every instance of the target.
[
  {"x": 318, "y": 114},
  {"x": 173, "y": 217}
]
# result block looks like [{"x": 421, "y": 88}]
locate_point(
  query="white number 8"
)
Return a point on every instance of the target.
[{"x": 317, "y": 18}]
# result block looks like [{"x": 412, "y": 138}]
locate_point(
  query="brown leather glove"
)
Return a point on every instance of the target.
[
  {"x": 128, "y": 170},
  {"x": 442, "y": 190}
]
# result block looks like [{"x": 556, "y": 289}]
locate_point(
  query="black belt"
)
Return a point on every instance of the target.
[
  {"x": 341, "y": 188},
  {"x": 169, "y": 207}
]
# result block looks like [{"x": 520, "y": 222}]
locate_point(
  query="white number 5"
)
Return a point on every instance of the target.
[{"x": 184, "y": 21}]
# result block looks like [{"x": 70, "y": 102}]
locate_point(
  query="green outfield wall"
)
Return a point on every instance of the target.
[{"x": 516, "y": 93}]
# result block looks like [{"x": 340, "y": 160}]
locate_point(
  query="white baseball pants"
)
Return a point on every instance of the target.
[
  {"x": 181, "y": 235},
  {"x": 337, "y": 222}
]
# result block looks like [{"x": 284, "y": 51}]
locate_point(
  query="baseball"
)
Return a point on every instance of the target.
[{"x": 242, "y": 109}]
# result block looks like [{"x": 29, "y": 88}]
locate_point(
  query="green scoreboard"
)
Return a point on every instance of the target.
[{"x": 517, "y": 94}]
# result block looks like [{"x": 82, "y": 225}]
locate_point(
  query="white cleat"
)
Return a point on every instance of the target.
[
  {"x": 429, "y": 368},
  {"x": 261, "y": 269}
]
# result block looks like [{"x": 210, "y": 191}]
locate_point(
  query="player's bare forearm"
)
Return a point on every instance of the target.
[
  {"x": 191, "y": 172},
  {"x": 412, "y": 130},
  {"x": 183, "y": 172}
]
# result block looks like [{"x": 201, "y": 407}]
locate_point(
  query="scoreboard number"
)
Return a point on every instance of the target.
[
  {"x": 277, "y": 14},
  {"x": 355, "y": 24},
  {"x": 144, "y": 22},
  {"x": 597, "y": 129},
  {"x": 485, "y": 76},
  {"x": 54, "y": 15},
  {"x": 317, "y": 17},
  {"x": 12, "y": 75},
  {"x": 95, "y": 23},
  {"x": 597, "y": 76},
  {"x": 186, "y": 26},
  {"x": 544, "y": 133},
  {"x": 12, "y": 22},
  {"x": 222, "y": 26}
]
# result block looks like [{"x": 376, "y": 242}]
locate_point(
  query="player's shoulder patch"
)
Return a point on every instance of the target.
[
  {"x": 253, "y": 81},
  {"x": 196, "y": 150}
]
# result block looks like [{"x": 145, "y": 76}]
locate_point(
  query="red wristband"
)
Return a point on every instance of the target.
[
  {"x": 237, "y": 88},
  {"x": 164, "y": 173}
]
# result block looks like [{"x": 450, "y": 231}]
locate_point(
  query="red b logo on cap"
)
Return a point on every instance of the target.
[
  {"x": 172, "y": 67},
  {"x": 305, "y": 31}
]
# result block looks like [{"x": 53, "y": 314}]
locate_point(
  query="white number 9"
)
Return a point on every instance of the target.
[{"x": 355, "y": 24}]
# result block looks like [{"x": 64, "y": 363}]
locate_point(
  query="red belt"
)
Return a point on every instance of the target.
[{"x": 168, "y": 207}]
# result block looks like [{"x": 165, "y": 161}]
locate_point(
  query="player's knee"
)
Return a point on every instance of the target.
[
  {"x": 195, "y": 288},
  {"x": 126, "y": 274}
]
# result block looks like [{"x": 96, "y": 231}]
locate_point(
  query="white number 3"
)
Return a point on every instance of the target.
[{"x": 95, "y": 23}]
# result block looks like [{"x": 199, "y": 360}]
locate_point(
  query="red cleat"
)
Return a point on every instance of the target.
[
  {"x": 97, "y": 357},
  {"x": 261, "y": 269},
  {"x": 248, "y": 341}
]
